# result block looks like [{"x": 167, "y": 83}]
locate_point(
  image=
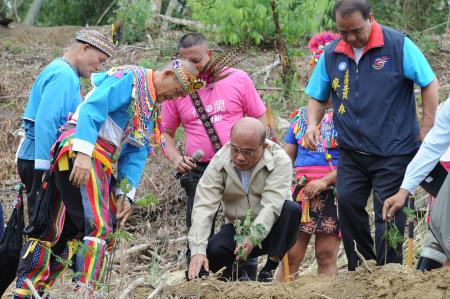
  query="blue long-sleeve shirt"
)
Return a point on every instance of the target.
[
  {"x": 105, "y": 114},
  {"x": 433, "y": 147},
  {"x": 55, "y": 93}
]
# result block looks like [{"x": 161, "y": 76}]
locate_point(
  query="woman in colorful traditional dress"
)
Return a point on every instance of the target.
[
  {"x": 118, "y": 121},
  {"x": 315, "y": 176}
]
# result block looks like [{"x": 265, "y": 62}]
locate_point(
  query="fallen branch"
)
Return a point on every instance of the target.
[
  {"x": 267, "y": 69},
  {"x": 322, "y": 296},
  {"x": 134, "y": 250},
  {"x": 180, "y": 239},
  {"x": 157, "y": 290},
  {"x": 362, "y": 259},
  {"x": 137, "y": 283},
  {"x": 184, "y": 22}
]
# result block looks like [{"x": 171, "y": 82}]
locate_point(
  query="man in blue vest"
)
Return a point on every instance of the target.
[{"x": 370, "y": 74}]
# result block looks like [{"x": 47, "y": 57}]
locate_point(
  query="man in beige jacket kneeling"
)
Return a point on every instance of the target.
[{"x": 248, "y": 173}]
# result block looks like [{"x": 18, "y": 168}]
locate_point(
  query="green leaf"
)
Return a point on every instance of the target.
[
  {"x": 410, "y": 213},
  {"x": 149, "y": 199},
  {"x": 125, "y": 185}
]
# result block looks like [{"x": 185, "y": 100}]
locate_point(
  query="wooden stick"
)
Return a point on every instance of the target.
[
  {"x": 410, "y": 251},
  {"x": 138, "y": 282},
  {"x": 287, "y": 274},
  {"x": 136, "y": 249},
  {"x": 156, "y": 291},
  {"x": 362, "y": 259},
  {"x": 123, "y": 257},
  {"x": 184, "y": 22}
]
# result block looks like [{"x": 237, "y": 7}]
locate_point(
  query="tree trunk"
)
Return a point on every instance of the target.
[
  {"x": 33, "y": 12},
  {"x": 286, "y": 64}
]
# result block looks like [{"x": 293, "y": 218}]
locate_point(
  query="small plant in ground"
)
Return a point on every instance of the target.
[
  {"x": 249, "y": 230},
  {"x": 125, "y": 185},
  {"x": 148, "y": 200},
  {"x": 392, "y": 234}
]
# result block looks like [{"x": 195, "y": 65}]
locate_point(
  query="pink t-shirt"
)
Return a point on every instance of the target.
[{"x": 226, "y": 101}]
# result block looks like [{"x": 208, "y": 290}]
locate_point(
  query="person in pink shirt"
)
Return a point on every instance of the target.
[{"x": 225, "y": 102}]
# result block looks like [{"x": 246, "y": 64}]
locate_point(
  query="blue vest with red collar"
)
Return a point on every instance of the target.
[{"x": 374, "y": 102}]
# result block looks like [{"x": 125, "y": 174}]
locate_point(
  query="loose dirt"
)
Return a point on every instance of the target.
[{"x": 390, "y": 281}]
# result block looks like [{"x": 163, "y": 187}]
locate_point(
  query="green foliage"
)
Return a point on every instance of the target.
[
  {"x": 239, "y": 21},
  {"x": 412, "y": 15},
  {"x": 149, "y": 199},
  {"x": 119, "y": 235},
  {"x": 134, "y": 13},
  {"x": 125, "y": 185},
  {"x": 249, "y": 230},
  {"x": 393, "y": 236},
  {"x": 410, "y": 213},
  {"x": 12, "y": 46},
  {"x": 74, "y": 12},
  {"x": 151, "y": 64}
]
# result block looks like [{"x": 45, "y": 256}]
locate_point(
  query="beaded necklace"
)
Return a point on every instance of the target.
[
  {"x": 144, "y": 127},
  {"x": 326, "y": 127}
]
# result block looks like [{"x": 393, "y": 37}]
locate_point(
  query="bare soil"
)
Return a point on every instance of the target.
[{"x": 390, "y": 281}]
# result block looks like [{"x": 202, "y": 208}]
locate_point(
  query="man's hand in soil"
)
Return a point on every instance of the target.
[
  {"x": 81, "y": 170},
  {"x": 123, "y": 209},
  {"x": 393, "y": 204},
  {"x": 197, "y": 261},
  {"x": 247, "y": 245}
]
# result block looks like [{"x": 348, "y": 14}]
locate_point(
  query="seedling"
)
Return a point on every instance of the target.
[
  {"x": 392, "y": 234},
  {"x": 249, "y": 230},
  {"x": 148, "y": 200}
]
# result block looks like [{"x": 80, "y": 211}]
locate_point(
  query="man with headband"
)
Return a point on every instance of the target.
[
  {"x": 118, "y": 122},
  {"x": 54, "y": 95}
]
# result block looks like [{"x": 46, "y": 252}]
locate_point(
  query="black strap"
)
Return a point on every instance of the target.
[{"x": 207, "y": 125}]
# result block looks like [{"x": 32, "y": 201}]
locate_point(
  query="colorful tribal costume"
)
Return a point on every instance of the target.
[
  {"x": 319, "y": 214},
  {"x": 120, "y": 116}
]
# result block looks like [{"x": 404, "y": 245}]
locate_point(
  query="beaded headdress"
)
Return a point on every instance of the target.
[
  {"x": 145, "y": 118},
  {"x": 95, "y": 39},
  {"x": 189, "y": 83}
]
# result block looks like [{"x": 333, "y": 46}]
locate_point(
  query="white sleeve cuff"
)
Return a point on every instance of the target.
[
  {"x": 83, "y": 146},
  {"x": 130, "y": 195},
  {"x": 409, "y": 186},
  {"x": 41, "y": 164}
]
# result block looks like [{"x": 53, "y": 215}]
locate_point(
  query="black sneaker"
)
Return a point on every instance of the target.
[{"x": 265, "y": 276}]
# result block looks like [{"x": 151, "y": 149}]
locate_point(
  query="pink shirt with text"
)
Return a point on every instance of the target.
[{"x": 226, "y": 101}]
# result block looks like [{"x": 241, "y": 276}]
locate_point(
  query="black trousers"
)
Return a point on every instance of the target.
[
  {"x": 32, "y": 179},
  {"x": 221, "y": 246},
  {"x": 358, "y": 175},
  {"x": 189, "y": 182}
]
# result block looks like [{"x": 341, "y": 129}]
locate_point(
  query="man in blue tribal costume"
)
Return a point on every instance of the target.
[
  {"x": 119, "y": 119},
  {"x": 54, "y": 95}
]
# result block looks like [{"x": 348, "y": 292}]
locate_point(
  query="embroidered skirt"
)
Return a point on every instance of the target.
[{"x": 319, "y": 214}]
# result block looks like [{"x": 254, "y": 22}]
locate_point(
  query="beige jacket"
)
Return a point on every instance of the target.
[{"x": 269, "y": 188}]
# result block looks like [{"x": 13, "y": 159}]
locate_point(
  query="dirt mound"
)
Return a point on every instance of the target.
[{"x": 390, "y": 281}]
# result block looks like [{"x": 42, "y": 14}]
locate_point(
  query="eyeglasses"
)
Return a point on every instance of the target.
[{"x": 248, "y": 153}]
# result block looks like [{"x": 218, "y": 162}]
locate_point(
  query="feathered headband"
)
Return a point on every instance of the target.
[
  {"x": 317, "y": 44},
  {"x": 189, "y": 83},
  {"x": 213, "y": 71}
]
